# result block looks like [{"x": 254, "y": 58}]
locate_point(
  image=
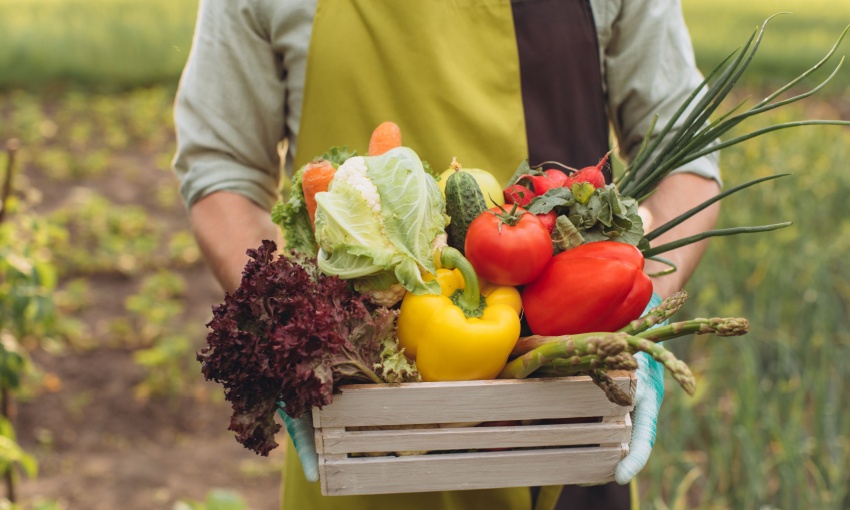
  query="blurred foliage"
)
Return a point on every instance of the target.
[
  {"x": 27, "y": 281},
  {"x": 168, "y": 352},
  {"x": 794, "y": 41},
  {"x": 769, "y": 424},
  {"x": 97, "y": 44}
]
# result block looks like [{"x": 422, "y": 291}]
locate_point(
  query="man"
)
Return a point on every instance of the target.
[{"x": 492, "y": 82}]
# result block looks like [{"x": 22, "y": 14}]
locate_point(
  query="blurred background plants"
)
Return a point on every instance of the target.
[
  {"x": 87, "y": 86},
  {"x": 27, "y": 314}
]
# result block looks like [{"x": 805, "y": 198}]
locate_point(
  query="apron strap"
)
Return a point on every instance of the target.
[{"x": 562, "y": 93}]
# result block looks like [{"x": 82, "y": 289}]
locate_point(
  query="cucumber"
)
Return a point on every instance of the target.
[{"x": 464, "y": 202}]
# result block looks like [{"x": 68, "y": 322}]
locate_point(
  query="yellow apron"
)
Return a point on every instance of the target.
[{"x": 374, "y": 60}]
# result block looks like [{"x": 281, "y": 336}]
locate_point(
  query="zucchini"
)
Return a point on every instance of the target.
[{"x": 464, "y": 202}]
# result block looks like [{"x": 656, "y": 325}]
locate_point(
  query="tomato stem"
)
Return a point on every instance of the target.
[{"x": 510, "y": 218}]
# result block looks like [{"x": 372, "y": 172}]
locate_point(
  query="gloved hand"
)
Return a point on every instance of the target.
[
  {"x": 648, "y": 396},
  {"x": 303, "y": 437}
]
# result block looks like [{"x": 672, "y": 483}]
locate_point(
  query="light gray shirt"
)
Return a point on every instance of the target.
[{"x": 241, "y": 91}]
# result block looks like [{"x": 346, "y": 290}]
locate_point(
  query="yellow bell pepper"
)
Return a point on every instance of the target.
[{"x": 461, "y": 334}]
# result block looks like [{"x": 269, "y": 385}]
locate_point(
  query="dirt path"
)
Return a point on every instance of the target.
[
  {"x": 98, "y": 445},
  {"x": 101, "y": 448}
]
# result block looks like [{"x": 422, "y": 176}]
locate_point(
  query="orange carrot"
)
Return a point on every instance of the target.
[
  {"x": 385, "y": 137},
  {"x": 315, "y": 178}
]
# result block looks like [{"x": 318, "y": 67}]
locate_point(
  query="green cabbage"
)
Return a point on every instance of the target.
[{"x": 378, "y": 222}]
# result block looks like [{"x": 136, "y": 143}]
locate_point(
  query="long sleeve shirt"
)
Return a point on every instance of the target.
[{"x": 241, "y": 91}]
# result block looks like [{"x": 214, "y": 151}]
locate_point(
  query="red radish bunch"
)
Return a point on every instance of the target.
[{"x": 540, "y": 183}]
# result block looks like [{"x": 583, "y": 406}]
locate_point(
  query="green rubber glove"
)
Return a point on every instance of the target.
[
  {"x": 303, "y": 437},
  {"x": 648, "y": 396}
]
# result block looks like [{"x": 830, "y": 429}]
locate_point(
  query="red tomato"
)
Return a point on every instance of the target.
[
  {"x": 597, "y": 286},
  {"x": 508, "y": 248}
]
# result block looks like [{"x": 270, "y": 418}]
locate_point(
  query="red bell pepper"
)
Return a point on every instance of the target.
[{"x": 597, "y": 286}]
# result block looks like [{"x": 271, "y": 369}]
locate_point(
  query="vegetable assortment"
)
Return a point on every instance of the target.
[
  {"x": 377, "y": 291},
  {"x": 388, "y": 279}
]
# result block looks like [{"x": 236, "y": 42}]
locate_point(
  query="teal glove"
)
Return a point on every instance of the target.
[
  {"x": 648, "y": 396},
  {"x": 303, "y": 437}
]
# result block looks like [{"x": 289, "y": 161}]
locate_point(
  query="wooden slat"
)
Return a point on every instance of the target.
[
  {"x": 386, "y": 475},
  {"x": 470, "y": 438},
  {"x": 448, "y": 402}
]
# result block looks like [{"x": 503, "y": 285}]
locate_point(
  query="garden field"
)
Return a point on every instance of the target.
[{"x": 112, "y": 407}]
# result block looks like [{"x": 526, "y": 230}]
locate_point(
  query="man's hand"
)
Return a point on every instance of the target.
[
  {"x": 675, "y": 195},
  {"x": 226, "y": 225}
]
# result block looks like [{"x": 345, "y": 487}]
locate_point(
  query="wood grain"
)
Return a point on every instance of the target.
[
  {"x": 448, "y": 402},
  {"x": 425, "y": 417},
  {"x": 483, "y": 470}
]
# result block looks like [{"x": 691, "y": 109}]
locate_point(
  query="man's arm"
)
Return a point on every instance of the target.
[
  {"x": 226, "y": 225},
  {"x": 229, "y": 118},
  {"x": 676, "y": 194}
]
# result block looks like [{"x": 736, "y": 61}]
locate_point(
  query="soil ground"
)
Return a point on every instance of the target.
[
  {"x": 98, "y": 445},
  {"x": 101, "y": 449}
]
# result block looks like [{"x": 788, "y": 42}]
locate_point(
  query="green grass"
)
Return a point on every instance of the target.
[
  {"x": 96, "y": 44},
  {"x": 793, "y": 41}
]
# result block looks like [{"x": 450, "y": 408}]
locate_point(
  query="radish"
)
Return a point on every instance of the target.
[{"x": 590, "y": 174}]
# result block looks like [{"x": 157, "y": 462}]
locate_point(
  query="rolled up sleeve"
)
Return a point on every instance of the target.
[
  {"x": 650, "y": 70},
  {"x": 229, "y": 109}
]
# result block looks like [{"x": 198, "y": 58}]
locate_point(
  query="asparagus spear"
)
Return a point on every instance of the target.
[
  {"x": 612, "y": 391},
  {"x": 726, "y": 326},
  {"x": 677, "y": 368},
  {"x": 658, "y": 314},
  {"x": 571, "y": 349},
  {"x": 600, "y": 344},
  {"x": 720, "y": 326},
  {"x": 575, "y": 365}
]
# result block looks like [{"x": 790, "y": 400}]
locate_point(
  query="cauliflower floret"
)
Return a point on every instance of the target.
[
  {"x": 395, "y": 293},
  {"x": 440, "y": 242},
  {"x": 353, "y": 171},
  {"x": 387, "y": 297}
]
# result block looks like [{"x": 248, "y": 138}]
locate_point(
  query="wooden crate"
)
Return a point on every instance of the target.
[{"x": 586, "y": 450}]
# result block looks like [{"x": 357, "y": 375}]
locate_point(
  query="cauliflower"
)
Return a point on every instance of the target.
[
  {"x": 440, "y": 242},
  {"x": 353, "y": 171},
  {"x": 377, "y": 223},
  {"x": 388, "y": 297}
]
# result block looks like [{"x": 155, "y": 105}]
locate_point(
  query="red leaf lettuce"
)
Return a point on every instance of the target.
[{"x": 291, "y": 334}]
